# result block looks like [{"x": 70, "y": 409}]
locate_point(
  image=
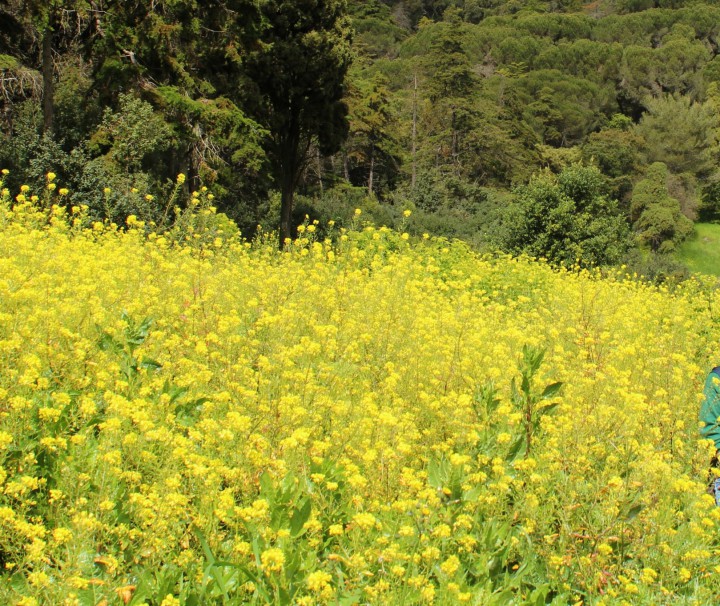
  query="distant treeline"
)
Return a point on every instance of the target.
[{"x": 495, "y": 121}]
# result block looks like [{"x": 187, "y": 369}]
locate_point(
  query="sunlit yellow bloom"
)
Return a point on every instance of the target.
[
  {"x": 318, "y": 580},
  {"x": 450, "y": 566},
  {"x": 348, "y": 402},
  {"x": 273, "y": 560}
]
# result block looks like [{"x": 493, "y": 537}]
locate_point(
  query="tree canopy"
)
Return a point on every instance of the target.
[{"x": 450, "y": 107}]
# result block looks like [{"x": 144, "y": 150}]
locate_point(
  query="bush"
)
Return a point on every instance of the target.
[{"x": 566, "y": 219}]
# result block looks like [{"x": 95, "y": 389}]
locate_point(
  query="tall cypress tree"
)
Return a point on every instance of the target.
[
  {"x": 451, "y": 84},
  {"x": 299, "y": 73}
]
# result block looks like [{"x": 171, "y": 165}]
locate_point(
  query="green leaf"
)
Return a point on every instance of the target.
[
  {"x": 166, "y": 579},
  {"x": 140, "y": 596},
  {"x": 633, "y": 512},
  {"x": 214, "y": 571},
  {"x": 539, "y": 596},
  {"x": 256, "y": 550},
  {"x": 18, "y": 582},
  {"x": 267, "y": 487},
  {"x": 88, "y": 597},
  {"x": 350, "y": 599},
  {"x": 150, "y": 364},
  {"x": 472, "y": 494},
  {"x": 533, "y": 358},
  {"x": 258, "y": 582},
  {"x": 107, "y": 342},
  {"x": 525, "y": 385},
  {"x": 299, "y": 517},
  {"x": 285, "y": 597},
  {"x": 485, "y": 400},
  {"x": 438, "y": 473},
  {"x": 205, "y": 546},
  {"x": 120, "y": 513},
  {"x": 187, "y": 412},
  {"x": 515, "y": 448},
  {"x": 551, "y": 390}
]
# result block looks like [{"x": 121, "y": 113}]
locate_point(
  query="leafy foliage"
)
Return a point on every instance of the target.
[
  {"x": 467, "y": 95},
  {"x": 657, "y": 216},
  {"x": 567, "y": 219},
  {"x": 298, "y": 76}
]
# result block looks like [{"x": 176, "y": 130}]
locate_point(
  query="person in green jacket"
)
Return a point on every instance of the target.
[{"x": 710, "y": 415}]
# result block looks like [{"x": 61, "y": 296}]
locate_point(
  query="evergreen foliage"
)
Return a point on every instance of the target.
[
  {"x": 298, "y": 76},
  {"x": 656, "y": 215},
  {"x": 447, "y": 98}
]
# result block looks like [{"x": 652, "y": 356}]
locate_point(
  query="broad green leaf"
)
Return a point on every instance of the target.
[
  {"x": 551, "y": 390},
  {"x": 299, "y": 517},
  {"x": 633, "y": 512}
]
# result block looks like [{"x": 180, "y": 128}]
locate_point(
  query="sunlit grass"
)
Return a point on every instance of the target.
[{"x": 702, "y": 252}]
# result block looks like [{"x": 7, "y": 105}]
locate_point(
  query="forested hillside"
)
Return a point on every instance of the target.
[{"x": 564, "y": 130}]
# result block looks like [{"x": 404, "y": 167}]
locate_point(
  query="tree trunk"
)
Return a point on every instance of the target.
[
  {"x": 287, "y": 195},
  {"x": 319, "y": 170},
  {"x": 414, "y": 134},
  {"x": 454, "y": 144},
  {"x": 291, "y": 160},
  {"x": 372, "y": 170},
  {"x": 194, "y": 157},
  {"x": 47, "y": 76}
]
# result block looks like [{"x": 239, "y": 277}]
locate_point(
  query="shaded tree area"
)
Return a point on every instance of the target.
[
  {"x": 117, "y": 98},
  {"x": 297, "y": 84}
]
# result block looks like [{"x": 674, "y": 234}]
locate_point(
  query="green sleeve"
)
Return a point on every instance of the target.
[{"x": 710, "y": 409}]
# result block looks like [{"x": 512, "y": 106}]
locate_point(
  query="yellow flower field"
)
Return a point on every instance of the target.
[{"x": 373, "y": 420}]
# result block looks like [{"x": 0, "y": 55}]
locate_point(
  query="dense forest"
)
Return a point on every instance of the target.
[{"x": 568, "y": 131}]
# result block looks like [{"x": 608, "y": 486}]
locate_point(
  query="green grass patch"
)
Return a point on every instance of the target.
[{"x": 702, "y": 252}]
